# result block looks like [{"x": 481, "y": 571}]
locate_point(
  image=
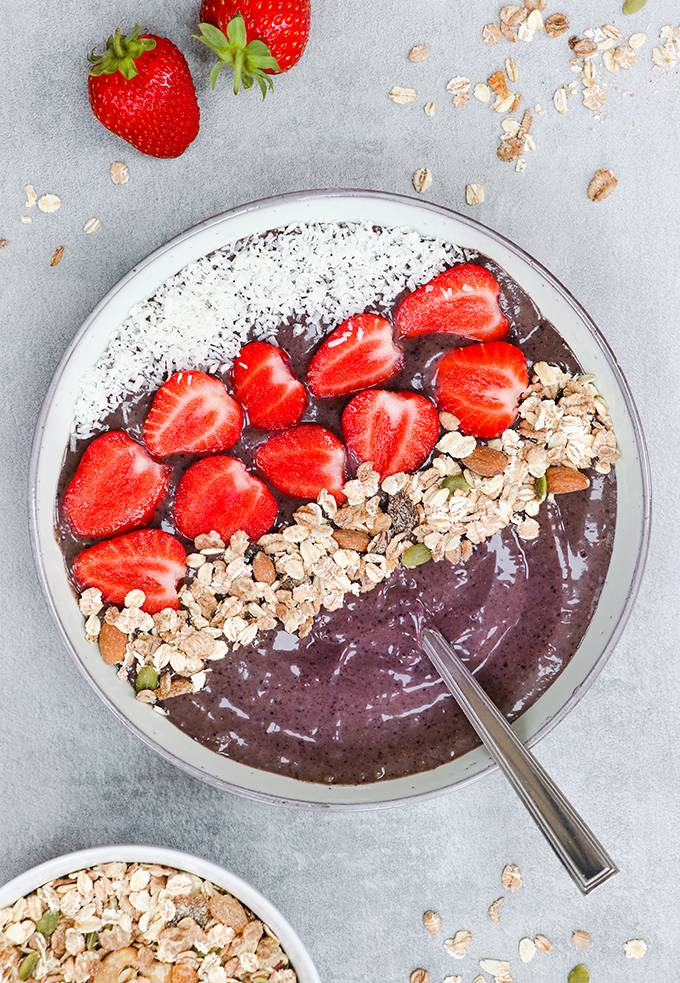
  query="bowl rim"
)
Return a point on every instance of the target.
[
  {"x": 597, "y": 335},
  {"x": 33, "y": 878}
]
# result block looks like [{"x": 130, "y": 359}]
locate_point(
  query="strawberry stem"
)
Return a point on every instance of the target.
[
  {"x": 251, "y": 61},
  {"x": 121, "y": 54}
]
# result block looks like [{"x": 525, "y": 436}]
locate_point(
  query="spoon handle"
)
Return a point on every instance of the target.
[{"x": 577, "y": 847}]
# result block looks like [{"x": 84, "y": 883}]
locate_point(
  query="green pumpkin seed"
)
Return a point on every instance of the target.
[
  {"x": 579, "y": 974},
  {"x": 92, "y": 940},
  {"x": 147, "y": 678},
  {"x": 416, "y": 555},
  {"x": 28, "y": 965},
  {"x": 541, "y": 486},
  {"x": 47, "y": 924},
  {"x": 454, "y": 483},
  {"x": 633, "y": 6}
]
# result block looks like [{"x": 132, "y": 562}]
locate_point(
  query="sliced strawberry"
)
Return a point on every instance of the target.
[
  {"x": 304, "y": 460},
  {"x": 481, "y": 385},
  {"x": 265, "y": 385},
  {"x": 396, "y": 431},
  {"x": 192, "y": 413},
  {"x": 218, "y": 493},
  {"x": 359, "y": 353},
  {"x": 117, "y": 486},
  {"x": 462, "y": 301},
  {"x": 149, "y": 559}
]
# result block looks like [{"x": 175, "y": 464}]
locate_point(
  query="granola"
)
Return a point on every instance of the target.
[
  {"x": 328, "y": 553},
  {"x": 143, "y": 922}
]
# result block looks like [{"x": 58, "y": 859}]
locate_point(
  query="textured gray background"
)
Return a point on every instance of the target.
[{"x": 354, "y": 885}]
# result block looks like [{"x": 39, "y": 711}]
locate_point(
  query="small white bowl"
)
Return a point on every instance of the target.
[
  {"x": 556, "y": 304},
  {"x": 70, "y": 862}
]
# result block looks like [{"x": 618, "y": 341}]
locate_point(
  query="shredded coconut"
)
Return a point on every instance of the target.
[{"x": 314, "y": 275}]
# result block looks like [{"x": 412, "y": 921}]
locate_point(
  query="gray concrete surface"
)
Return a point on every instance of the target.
[{"x": 355, "y": 885}]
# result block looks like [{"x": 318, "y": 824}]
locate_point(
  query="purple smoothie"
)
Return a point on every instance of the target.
[{"x": 356, "y": 701}]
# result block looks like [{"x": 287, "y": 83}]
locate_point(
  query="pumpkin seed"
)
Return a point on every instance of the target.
[
  {"x": 633, "y": 6},
  {"x": 28, "y": 965},
  {"x": 47, "y": 924},
  {"x": 454, "y": 483},
  {"x": 541, "y": 486},
  {"x": 147, "y": 678},
  {"x": 92, "y": 940},
  {"x": 416, "y": 555},
  {"x": 579, "y": 974}
]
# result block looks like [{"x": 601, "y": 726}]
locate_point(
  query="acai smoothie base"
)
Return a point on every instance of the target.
[{"x": 299, "y": 653}]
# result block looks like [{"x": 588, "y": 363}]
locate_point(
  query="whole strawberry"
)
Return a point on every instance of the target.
[
  {"x": 255, "y": 38},
  {"x": 141, "y": 89}
]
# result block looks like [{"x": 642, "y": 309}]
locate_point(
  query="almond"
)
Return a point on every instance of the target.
[
  {"x": 352, "y": 539},
  {"x": 112, "y": 644},
  {"x": 561, "y": 480},
  {"x": 486, "y": 461},
  {"x": 264, "y": 570}
]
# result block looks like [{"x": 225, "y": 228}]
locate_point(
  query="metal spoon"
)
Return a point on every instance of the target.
[{"x": 577, "y": 847}]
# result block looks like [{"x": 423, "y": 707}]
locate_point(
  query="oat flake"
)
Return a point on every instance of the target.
[
  {"x": 527, "y": 950},
  {"x": 511, "y": 878},
  {"x": 422, "y": 179},
  {"x": 119, "y": 172},
  {"x": 57, "y": 256},
  {"x": 31, "y": 196},
  {"x": 402, "y": 96},
  {"x": 635, "y": 948},
  {"x": 49, "y": 203},
  {"x": 474, "y": 194},
  {"x": 91, "y": 226}
]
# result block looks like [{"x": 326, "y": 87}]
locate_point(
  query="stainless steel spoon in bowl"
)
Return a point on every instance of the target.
[{"x": 575, "y": 844}]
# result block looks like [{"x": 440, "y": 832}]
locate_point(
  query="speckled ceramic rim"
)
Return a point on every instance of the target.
[
  {"x": 556, "y": 303},
  {"x": 71, "y": 862}
]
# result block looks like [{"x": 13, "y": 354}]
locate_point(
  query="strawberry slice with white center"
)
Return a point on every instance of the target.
[
  {"x": 463, "y": 301},
  {"x": 148, "y": 559},
  {"x": 361, "y": 352},
  {"x": 117, "y": 486},
  {"x": 192, "y": 413},
  {"x": 481, "y": 385},
  {"x": 265, "y": 385},
  {"x": 396, "y": 431},
  {"x": 218, "y": 493},
  {"x": 302, "y": 461}
]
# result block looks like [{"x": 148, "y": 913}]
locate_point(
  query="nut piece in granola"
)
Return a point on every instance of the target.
[
  {"x": 563, "y": 481},
  {"x": 486, "y": 461},
  {"x": 602, "y": 184},
  {"x": 112, "y": 644}
]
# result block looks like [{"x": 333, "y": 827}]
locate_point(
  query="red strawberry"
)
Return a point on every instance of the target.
[
  {"x": 481, "y": 385},
  {"x": 265, "y": 385},
  {"x": 149, "y": 559},
  {"x": 396, "y": 431},
  {"x": 359, "y": 353},
  {"x": 218, "y": 493},
  {"x": 304, "y": 460},
  {"x": 254, "y": 37},
  {"x": 141, "y": 89},
  {"x": 192, "y": 413},
  {"x": 462, "y": 301},
  {"x": 117, "y": 486}
]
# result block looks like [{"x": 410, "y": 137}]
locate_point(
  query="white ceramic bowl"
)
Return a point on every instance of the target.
[
  {"x": 70, "y": 862},
  {"x": 556, "y": 304}
]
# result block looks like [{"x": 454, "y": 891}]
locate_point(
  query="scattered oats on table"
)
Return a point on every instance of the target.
[
  {"x": 581, "y": 939},
  {"x": 402, "y": 95},
  {"x": 91, "y": 226},
  {"x": 429, "y": 108},
  {"x": 4, "y": 243},
  {"x": 419, "y": 976},
  {"x": 49, "y": 203},
  {"x": 602, "y": 184},
  {"x": 526, "y": 949},
  {"x": 57, "y": 256},
  {"x": 459, "y": 944},
  {"x": 635, "y": 948},
  {"x": 474, "y": 194},
  {"x": 542, "y": 943},
  {"x": 31, "y": 196},
  {"x": 511, "y": 878},
  {"x": 418, "y": 53},
  {"x": 495, "y": 908},
  {"x": 432, "y": 922},
  {"x": 422, "y": 179},
  {"x": 459, "y": 87},
  {"x": 119, "y": 172}
]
